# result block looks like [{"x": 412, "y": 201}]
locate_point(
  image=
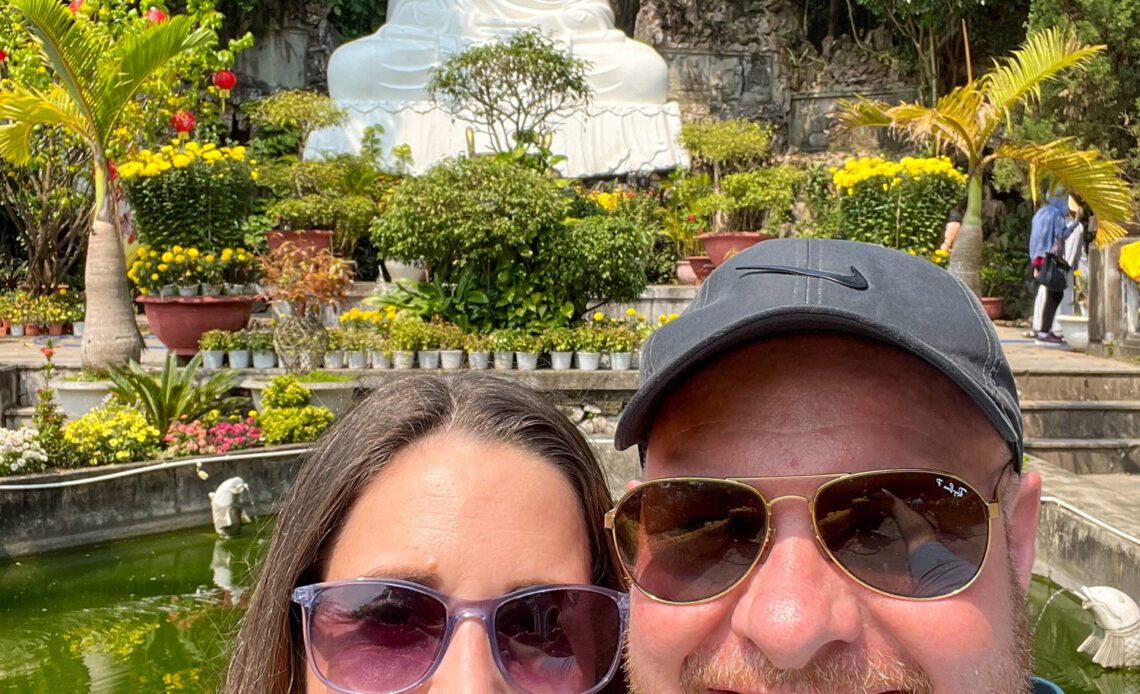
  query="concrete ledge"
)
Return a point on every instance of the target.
[
  {"x": 134, "y": 499},
  {"x": 1088, "y": 456}
]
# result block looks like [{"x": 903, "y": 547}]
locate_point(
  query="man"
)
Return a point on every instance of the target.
[{"x": 758, "y": 564}]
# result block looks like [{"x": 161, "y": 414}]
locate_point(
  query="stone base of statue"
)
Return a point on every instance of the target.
[{"x": 604, "y": 139}]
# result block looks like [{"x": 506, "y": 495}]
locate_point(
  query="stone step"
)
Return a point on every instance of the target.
[
  {"x": 1077, "y": 419},
  {"x": 1088, "y": 456},
  {"x": 1123, "y": 384},
  {"x": 16, "y": 417}
]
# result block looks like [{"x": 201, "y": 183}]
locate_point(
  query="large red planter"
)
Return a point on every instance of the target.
[
  {"x": 722, "y": 246},
  {"x": 308, "y": 241},
  {"x": 179, "y": 321}
]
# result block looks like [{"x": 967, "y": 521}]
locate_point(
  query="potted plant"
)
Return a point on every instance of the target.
[
  {"x": 620, "y": 341},
  {"x": 306, "y": 282},
  {"x": 502, "y": 344},
  {"x": 334, "y": 353},
  {"x": 450, "y": 338},
  {"x": 478, "y": 348},
  {"x": 237, "y": 349},
  {"x": 356, "y": 343},
  {"x": 560, "y": 342},
  {"x": 213, "y": 345},
  {"x": 240, "y": 271},
  {"x": 16, "y": 310},
  {"x": 591, "y": 340},
  {"x": 1003, "y": 265},
  {"x": 76, "y": 312},
  {"x": 722, "y": 147},
  {"x": 80, "y": 393},
  {"x": 405, "y": 338},
  {"x": 380, "y": 351},
  {"x": 428, "y": 353},
  {"x": 527, "y": 350},
  {"x": 260, "y": 343}
]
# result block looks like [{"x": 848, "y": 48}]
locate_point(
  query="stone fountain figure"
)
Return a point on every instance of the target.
[
  {"x": 1115, "y": 641},
  {"x": 228, "y": 505},
  {"x": 382, "y": 80}
]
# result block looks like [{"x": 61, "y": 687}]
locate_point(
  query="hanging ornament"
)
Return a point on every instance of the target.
[
  {"x": 183, "y": 122},
  {"x": 225, "y": 81},
  {"x": 155, "y": 16},
  {"x": 114, "y": 170},
  {"x": 3, "y": 55},
  {"x": 75, "y": 6}
]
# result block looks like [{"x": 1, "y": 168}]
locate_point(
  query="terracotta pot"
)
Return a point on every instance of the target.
[
  {"x": 685, "y": 274},
  {"x": 32, "y": 330},
  {"x": 179, "y": 321},
  {"x": 722, "y": 246},
  {"x": 994, "y": 305},
  {"x": 308, "y": 241},
  {"x": 701, "y": 265},
  {"x": 55, "y": 329}
]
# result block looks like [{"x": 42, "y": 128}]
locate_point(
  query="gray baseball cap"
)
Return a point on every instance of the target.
[{"x": 795, "y": 285}]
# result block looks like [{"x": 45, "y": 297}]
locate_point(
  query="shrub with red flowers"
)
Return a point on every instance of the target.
[{"x": 225, "y": 435}]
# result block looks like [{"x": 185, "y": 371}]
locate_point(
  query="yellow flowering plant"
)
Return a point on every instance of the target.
[
  {"x": 156, "y": 268},
  {"x": 114, "y": 433},
  {"x": 189, "y": 193},
  {"x": 903, "y": 204},
  {"x": 1130, "y": 260}
]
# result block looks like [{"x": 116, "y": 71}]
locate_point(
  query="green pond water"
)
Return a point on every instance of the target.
[{"x": 155, "y": 614}]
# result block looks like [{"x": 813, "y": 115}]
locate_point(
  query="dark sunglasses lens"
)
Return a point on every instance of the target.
[
  {"x": 689, "y": 540},
  {"x": 370, "y": 638},
  {"x": 911, "y": 534},
  {"x": 560, "y": 640}
]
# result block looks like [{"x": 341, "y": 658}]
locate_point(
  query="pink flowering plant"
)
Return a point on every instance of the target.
[{"x": 198, "y": 437}]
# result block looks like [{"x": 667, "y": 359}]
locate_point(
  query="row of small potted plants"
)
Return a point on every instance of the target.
[
  {"x": 406, "y": 343},
  {"x": 22, "y": 313}
]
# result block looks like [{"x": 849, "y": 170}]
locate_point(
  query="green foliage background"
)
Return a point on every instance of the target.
[{"x": 910, "y": 216}]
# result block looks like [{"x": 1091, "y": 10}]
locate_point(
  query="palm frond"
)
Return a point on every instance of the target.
[
  {"x": 952, "y": 120},
  {"x": 1042, "y": 57},
  {"x": 69, "y": 46},
  {"x": 862, "y": 113},
  {"x": 136, "y": 58},
  {"x": 22, "y": 109},
  {"x": 1087, "y": 174}
]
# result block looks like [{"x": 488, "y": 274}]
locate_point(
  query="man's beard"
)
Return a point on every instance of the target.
[{"x": 850, "y": 671}]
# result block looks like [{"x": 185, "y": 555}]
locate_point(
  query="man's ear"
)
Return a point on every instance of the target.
[{"x": 1022, "y": 515}]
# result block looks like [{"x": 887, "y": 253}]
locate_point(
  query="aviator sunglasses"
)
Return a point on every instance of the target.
[
  {"x": 382, "y": 636},
  {"x": 913, "y": 534}
]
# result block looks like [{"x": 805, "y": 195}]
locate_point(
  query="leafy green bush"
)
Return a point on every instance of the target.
[
  {"x": 901, "y": 205},
  {"x": 283, "y": 425},
  {"x": 599, "y": 257},
  {"x": 285, "y": 391},
  {"x": 114, "y": 433}
]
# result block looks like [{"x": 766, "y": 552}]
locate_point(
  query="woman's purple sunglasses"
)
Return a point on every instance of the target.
[{"x": 384, "y": 636}]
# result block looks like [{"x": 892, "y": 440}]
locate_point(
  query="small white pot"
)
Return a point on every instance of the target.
[
  {"x": 403, "y": 360},
  {"x": 528, "y": 361},
  {"x": 381, "y": 360},
  {"x": 187, "y": 290},
  {"x": 478, "y": 360},
  {"x": 213, "y": 358},
  {"x": 561, "y": 361},
  {"x": 588, "y": 361},
  {"x": 1075, "y": 330},
  {"x": 334, "y": 359},
  {"x": 620, "y": 361},
  {"x": 211, "y": 289},
  {"x": 264, "y": 360},
  {"x": 239, "y": 358},
  {"x": 504, "y": 361},
  {"x": 429, "y": 358},
  {"x": 451, "y": 359},
  {"x": 357, "y": 359},
  {"x": 77, "y": 328}
]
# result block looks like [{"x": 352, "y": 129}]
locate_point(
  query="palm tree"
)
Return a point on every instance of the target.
[
  {"x": 94, "y": 83},
  {"x": 967, "y": 119}
]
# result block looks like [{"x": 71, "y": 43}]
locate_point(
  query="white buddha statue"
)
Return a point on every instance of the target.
[
  {"x": 382, "y": 79},
  {"x": 395, "y": 62}
]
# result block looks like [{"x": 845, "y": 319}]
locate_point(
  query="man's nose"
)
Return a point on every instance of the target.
[
  {"x": 468, "y": 665},
  {"x": 796, "y": 602}
]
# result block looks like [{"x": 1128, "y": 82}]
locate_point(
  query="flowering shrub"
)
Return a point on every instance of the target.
[
  {"x": 199, "y": 438},
  {"x": 901, "y": 205},
  {"x": 189, "y": 193},
  {"x": 294, "y": 424},
  {"x": 285, "y": 391},
  {"x": 377, "y": 319},
  {"x": 155, "y": 268},
  {"x": 1130, "y": 260},
  {"x": 113, "y": 433},
  {"x": 20, "y": 452}
]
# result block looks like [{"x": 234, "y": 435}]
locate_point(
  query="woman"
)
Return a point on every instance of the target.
[{"x": 462, "y": 500}]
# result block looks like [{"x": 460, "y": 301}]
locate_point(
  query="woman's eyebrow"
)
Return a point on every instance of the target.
[
  {"x": 532, "y": 584},
  {"x": 427, "y": 579}
]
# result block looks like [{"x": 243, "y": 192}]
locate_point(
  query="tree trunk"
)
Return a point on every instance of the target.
[
  {"x": 966, "y": 254},
  {"x": 110, "y": 336}
]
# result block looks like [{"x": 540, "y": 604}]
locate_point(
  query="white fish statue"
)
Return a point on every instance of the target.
[
  {"x": 228, "y": 504},
  {"x": 1115, "y": 641}
]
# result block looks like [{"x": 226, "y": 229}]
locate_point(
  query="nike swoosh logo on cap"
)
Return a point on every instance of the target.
[{"x": 854, "y": 280}]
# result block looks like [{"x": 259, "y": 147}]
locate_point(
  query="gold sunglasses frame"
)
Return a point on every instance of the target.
[{"x": 993, "y": 511}]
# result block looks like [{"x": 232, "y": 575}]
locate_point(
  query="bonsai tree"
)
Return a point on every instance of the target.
[
  {"x": 95, "y": 83},
  {"x": 512, "y": 91},
  {"x": 966, "y": 121},
  {"x": 724, "y": 147},
  {"x": 297, "y": 112}
]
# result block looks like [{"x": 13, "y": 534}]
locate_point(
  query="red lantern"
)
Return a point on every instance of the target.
[
  {"x": 224, "y": 80},
  {"x": 75, "y": 6},
  {"x": 155, "y": 16},
  {"x": 113, "y": 169},
  {"x": 183, "y": 122},
  {"x": 3, "y": 55}
]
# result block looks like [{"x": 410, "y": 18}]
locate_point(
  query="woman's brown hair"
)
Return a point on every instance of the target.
[{"x": 268, "y": 656}]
